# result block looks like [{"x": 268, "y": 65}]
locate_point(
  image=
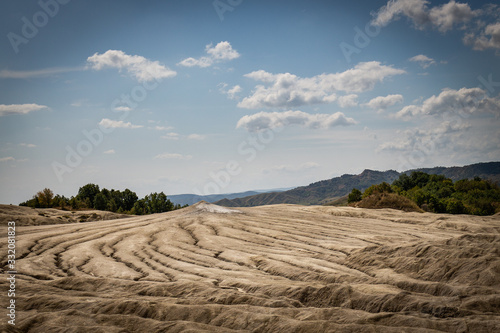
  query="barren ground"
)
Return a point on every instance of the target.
[
  {"x": 281, "y": 268},
  {"x": 42, "y": 216}
]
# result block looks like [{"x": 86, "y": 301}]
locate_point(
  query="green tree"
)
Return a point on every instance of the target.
[
  {"x": 158, "y": 203},
  {"x": 100, "y": 202},
  {"x": 354, "y": 196},
  {"x": 45, "y": 198},
  {"x": 129, "y": 199},
  {"x": 140, "y": 208},
  {"x": 89, "y": 192}
]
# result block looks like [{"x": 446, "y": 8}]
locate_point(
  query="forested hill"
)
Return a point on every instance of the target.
[
  {"x": 326, "y": 191},
  {"x": 316, "y": 193},
  {"x": 490, "y": 170}
]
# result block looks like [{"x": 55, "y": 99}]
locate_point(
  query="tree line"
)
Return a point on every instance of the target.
[
  {"x": 438, "y": 194},
  {"x": 91, "y": 196}
]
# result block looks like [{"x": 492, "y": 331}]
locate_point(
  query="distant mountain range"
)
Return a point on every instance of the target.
[
  {"x": 190, "y": 199},
  {"x": 326, "y": 191}
]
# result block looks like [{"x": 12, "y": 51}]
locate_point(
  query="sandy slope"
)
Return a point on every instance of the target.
[
  {"x": 281, "y": 268},
  {"x": 43, "y": 216}
]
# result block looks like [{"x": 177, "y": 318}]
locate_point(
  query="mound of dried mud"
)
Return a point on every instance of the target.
[{"x": 281, "y": 268}]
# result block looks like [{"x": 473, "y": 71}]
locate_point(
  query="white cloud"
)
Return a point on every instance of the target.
[
  {"x": 423, "y": 60},
  {"x": 348, "y": 101},
  {"x": 270, "y": 120},
  {"x": 442, "y": 17},
  {"x": 163, "y": 128},
  {"x": 108, "y": 123},
  {"x": 426, "y": 140},
  {"x": 384, "y": 102},
  {"x": 11, "y": 109},
  {"x": 230, "y": 93},
  {"x": 201, "y": 62},
  {"x": 195, "y": 136},
  {"x": 488, "y": 39},
  {"x": 171, "y": 136},
  {"x": 139, "y": 67},
  {"x": 109, "y": 152},
  {"x": 416, "y": 10},
  {"x": 27, "y": 145},
  {"x": 5, "y": 159},
  {"x": 174, "y": 156},
  {"x": 9, "y": 74},
  {"x": 223, "y": 51},
  {"x": 465, "y": 100},
  {"x": 288, "y": 90},
  {"x": 123, "y": 108}
]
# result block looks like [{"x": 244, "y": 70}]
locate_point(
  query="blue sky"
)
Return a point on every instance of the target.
[{"x": 225, "y": 96}]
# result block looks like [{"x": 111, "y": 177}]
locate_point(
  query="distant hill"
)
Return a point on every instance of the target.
[
  {"x": 190, "y": 199},
  {"x": 490, "y": 170},
  {"x": 331, "y": 190},
  {"x": 316, "y": 193}
]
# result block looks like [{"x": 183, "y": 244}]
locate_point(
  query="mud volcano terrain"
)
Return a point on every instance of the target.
[{"x": 281, "y": 268}]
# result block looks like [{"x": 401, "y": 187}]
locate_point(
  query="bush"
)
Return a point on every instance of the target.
[
  {"x": 354, "y": 196},
  {"x": 389, "y": 200},
  {"x": 380, "y": 188}
]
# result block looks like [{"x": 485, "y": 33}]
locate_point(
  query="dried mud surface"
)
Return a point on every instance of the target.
[
  {"x": 280, "y": 268},
  {"x": 44, "y": 216}
]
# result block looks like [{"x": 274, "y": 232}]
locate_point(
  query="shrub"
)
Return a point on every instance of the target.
[
  {"x": 354, "y": 196},
  {"x": 380, "y": 188},
  {"x": 389, "y": 200}
]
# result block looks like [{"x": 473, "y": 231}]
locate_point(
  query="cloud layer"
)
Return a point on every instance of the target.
[
  {"x": 384, "y": 102},
  {"x": 270, "y": 120},
  {"x": 465, "y": 100},
  {"x": 11, "y": 109},
  {"x": 443, "y": 17},
  {"x": 139, "y": 67},
  {"x": 108, "y": 123},
  {"x": 288, "y": 90},
  {"x": 489, "y": 38},
  {"x": 479, "y": 33},
  {"x": 223, "y": 51}
]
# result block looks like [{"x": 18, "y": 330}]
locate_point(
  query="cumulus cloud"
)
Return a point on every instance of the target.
[
  {"x": 108, "y": 123},
  {"x": 489, "y": 38},
  {"x": 270, "y": 120},
  {"x": 223, "y": 51},
  {"x": 443, "y": 17},
  {"x": 384, "y": 102},
  {"x": 348, "y": 101},
  {"x": 231, "y": 93},
  {"x": 423, "y": 60},
  {"x": 139, "y": 67},
  {"x": 465, "y": 100},
  {"x": 288, "y": 90},
  {"x": 109, "y": 152},
  {"x": 174, "y": 156},
  {"x": 11, "y": 109},
  {"x": 8, "y": 158}
]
